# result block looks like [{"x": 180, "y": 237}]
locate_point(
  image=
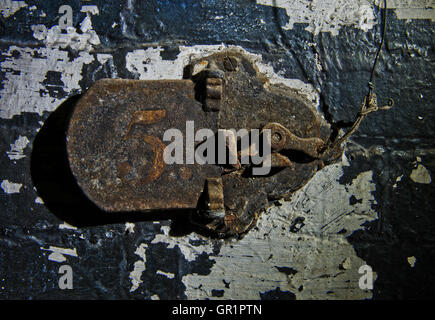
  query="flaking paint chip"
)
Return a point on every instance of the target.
[
  {"x": 421, "y": 175},
  {"x": 412, "y": 260}
]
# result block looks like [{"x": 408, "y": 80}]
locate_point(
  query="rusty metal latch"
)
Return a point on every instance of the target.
[{"x": 116, "y": 143}]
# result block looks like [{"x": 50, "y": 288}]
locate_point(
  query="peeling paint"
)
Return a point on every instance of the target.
[
  {"x": 90, "y": 9},
  {"x": 166, "y": 274},
  {"x": 83, "y": 38},
  {"x": 398, "y": 179},
  {"x": 65, "y": 225},
  {"x": 103, "y": 57},
  {"x": 411, "y": 260},
  {"x": 129, "y": 227},
  {"x": 326, "y": 15},
  {"x": 39, "y": 200},
  {"x": 346, "y": 264},
  {"x": 411, "y": 9},
  {"x": 420, "y": 175},
  {"x": 244, "y": 269},
  {"x": 190, "y": 252},
  {"x": 17, "y": 148},
  {"x": 24, "y": 91},
  {"x": 332, "y": 15},
  {"x": 11, "y": 187},
  {"x": 148, "y": 64},
  {"x": 9, "y": 7},
  {"x": 139, "y": 267},
  {"x": 58, "y": 254},
  {"x": 54, "y": 38}
]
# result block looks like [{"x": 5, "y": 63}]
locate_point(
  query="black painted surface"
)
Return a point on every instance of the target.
[{"x": 406, "y": 219}]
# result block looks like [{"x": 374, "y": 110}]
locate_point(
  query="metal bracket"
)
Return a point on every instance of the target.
[{"x": 116, "y": 142}]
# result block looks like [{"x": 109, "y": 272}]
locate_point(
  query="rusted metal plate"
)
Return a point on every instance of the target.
[
  {"x": 115, "y": 142},
  {"x": 115, "y": 145},
  {"x": 250, "y": 101}
]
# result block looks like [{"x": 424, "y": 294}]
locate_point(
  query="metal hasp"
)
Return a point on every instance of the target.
[{"x": 115, "y": 143}]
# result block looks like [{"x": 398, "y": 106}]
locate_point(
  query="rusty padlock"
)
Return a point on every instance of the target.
[{"x": 116, "y": 143}]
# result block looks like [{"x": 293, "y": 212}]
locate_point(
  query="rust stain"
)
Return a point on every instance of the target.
[
  {"x": 144, "y": 118},
  {"x": 185, "y": 173},
  {"x": 282, "y": 138},
  {"x": 115, "y": 149},
  {"x": 124, "y": 168},
  {"x": 158, "y": 166}
]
